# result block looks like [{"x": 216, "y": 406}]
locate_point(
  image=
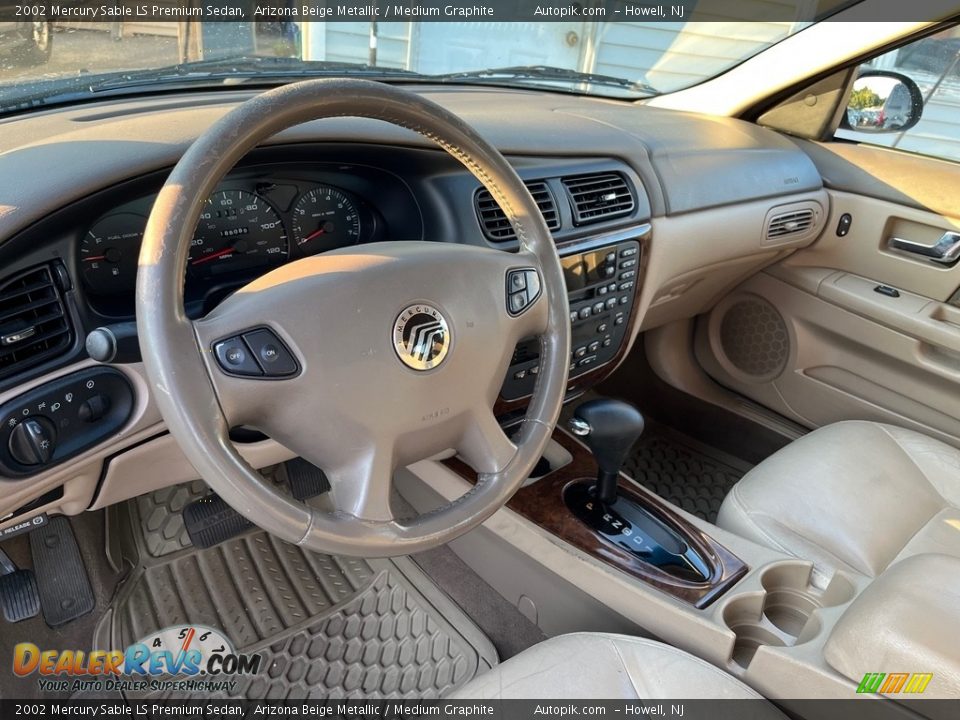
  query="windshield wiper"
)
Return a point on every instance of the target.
[
  {"x": 546, "y": 73},
  {"x": 244, "y": 68},
  {"x": 220, "y": 72}
]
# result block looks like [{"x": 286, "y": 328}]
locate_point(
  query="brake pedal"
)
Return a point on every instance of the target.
[
  {"x": 19, "y": 598},
  {"x": 210, "y": 520},
  {"x": 62, "y": 581}
]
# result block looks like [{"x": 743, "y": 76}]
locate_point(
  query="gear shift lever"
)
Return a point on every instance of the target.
[{"x": 609, "y": 428}]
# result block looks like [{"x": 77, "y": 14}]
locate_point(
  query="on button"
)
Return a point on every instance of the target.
[{"x": 270, "y": 353}]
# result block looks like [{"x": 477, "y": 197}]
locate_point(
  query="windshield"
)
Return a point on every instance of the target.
[{"x": 46, "y": 62}]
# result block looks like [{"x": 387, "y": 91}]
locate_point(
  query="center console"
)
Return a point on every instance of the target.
[{"x": 602, "y": 276}]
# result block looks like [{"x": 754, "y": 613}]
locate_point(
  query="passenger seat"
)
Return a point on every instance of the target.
[{"x": 854, "y": 496}]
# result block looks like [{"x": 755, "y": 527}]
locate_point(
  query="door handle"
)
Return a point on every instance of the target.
[{"x": 946, "y": 251}]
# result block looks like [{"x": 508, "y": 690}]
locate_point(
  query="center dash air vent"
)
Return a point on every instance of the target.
[
  {"x": 494, "y": 222},
  {"x": 599, "y": 197},
  {"x": 33, "y": 320},
  {"x": 790, "y": 223}
]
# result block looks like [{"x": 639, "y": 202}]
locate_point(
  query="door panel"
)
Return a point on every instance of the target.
[{"x": 850, "y": 327}]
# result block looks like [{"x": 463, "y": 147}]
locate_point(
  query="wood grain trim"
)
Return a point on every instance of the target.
[
  {"x": 542, "y": 504},
  {"x": 599, "y": 373}
]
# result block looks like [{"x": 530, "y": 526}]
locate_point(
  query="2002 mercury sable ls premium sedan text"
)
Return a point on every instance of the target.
[{"x": 627, "y": 368}]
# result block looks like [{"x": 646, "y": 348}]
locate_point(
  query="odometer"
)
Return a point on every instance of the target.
[
  {"x": 238, "y": 230},
  {"x": 325, "y": 219}
]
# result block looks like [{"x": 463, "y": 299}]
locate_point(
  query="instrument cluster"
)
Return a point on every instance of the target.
[{"x": 249, "y": 225}]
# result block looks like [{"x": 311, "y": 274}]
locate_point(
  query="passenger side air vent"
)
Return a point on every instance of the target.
[
  {"x": 494, "y": 222},
  {"x": 790, "y": 223},
  {"x": 599, "y": 197},
  {"x": 793, "y": 223},
  {"x": 33, "y": 320}
]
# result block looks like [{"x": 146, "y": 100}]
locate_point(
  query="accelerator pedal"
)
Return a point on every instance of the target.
[
  {"x": 18, "y": 591},
  {"x": 62, "y": 581},
  {"x": 210, "y": 521}
]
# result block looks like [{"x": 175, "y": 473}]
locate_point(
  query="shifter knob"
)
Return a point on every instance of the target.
[{"x": 609, "y": 428}]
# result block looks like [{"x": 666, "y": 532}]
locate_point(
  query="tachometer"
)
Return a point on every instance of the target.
[
  {"x": 237, "y": 230},
  {"x": 109, "y": 252},
  {"x": 325, "y": 219}
]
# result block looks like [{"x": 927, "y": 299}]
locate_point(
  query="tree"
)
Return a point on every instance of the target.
[{"x": 864, "y": 98}]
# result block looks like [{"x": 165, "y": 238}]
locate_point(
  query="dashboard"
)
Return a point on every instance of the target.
[{"x": 654, "y": 213}]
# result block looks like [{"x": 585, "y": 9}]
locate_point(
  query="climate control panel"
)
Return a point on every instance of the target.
[
  {"x": 601, "y": 287},
  {"x": 60, "y": 419}
]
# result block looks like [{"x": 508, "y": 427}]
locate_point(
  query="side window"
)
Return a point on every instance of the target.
[{"x": 878, "y": 105}]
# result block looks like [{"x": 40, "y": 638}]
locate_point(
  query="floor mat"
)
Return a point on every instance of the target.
[
  {"x": 688, "y": 474},
  {"x": 326, "y": 627}
]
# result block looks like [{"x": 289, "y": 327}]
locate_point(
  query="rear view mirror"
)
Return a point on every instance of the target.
[{"x": 883, "y": 101}]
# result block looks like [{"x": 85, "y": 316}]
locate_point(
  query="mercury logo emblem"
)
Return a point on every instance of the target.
[{"x": 421, "y": 336}]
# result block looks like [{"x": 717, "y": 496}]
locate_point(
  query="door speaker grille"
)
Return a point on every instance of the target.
[{"x": 754, "y": 338}]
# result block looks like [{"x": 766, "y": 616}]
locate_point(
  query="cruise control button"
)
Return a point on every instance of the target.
[
  {"x": 234, "y": 357},
  {"x": 518, "y": 301},
  {"x": 523, "y": 289},
  {"x": 270, "y": 353},
  {"x": 594, "y": 346},
  {"x": 602, "y": 328},
  {"x": 598, "y": 307},
  {"x": 585, "y": 312},
  {"x": 533, "y": 284},
  {"x": 579, "y": 352},
  {"x": 611, "y": 303}
]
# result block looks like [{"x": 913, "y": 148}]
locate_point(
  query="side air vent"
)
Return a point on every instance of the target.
[
  {"x": 790, "y": 223},
  {"x": 599, "y": 197},
  {"x": 33, "y": 320},
  {"x": 793, "y": 223},
  {"x": 494, "y": 222}
]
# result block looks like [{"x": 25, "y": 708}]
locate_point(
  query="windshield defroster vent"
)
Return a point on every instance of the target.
[
  {"x": 599, "y": 197},
  {"x": 33, "y": 320},
  {"x": 494, "y": 222}
]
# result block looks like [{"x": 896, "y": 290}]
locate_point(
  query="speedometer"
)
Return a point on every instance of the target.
[
  {"x": 238, "y": 230},
  {"x": 325, "y": 219}
]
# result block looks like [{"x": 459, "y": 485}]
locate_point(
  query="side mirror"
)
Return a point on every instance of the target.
[{"x": 882, "y": 102}]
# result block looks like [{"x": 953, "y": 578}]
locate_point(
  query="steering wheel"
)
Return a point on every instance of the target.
[{"x": 400, "y": 348}]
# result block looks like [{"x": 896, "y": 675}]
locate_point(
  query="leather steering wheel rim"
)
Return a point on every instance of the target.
[{"x": 200, "y": 404}]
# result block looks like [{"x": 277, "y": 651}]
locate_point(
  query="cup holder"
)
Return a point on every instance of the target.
[{"x": 783, "y": 614}]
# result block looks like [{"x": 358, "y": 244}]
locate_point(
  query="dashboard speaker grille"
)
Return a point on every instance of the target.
[
  {"x": 599, "y": 197},
  {"x": 754, "y": 338},
  {"x": 494, "y": 222},
  {"x": 34, "y": 325}
]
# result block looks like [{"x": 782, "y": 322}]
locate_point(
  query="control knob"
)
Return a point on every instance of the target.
[{"x": 33, "y": 441}]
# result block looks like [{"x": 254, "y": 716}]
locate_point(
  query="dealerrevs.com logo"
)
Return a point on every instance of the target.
[{"x": 188, "y": 658}]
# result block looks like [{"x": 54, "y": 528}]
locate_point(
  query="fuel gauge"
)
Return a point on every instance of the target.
[{"x": 109, "y": 251}]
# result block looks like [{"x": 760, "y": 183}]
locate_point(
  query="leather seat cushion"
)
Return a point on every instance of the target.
[
  {"x": 602, "y": 666},
  {"x": 852, "y": 495}
]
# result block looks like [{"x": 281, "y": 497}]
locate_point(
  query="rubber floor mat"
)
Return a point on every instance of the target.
[
  {"x": 326, "y": 627},
  {"x": 684, "y": 472}
]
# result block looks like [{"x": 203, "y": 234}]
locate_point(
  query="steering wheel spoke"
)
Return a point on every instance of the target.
[
  {"x": 484, "y": 445},
  {"x": 364, "y": 488}
]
